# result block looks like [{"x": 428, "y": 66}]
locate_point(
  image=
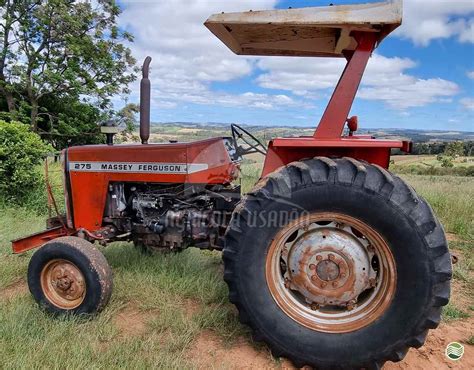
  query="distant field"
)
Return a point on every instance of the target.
[
  {"x": 180, "y": 130},
  {"x": 429, "y": 160},
  {"x": 163, "y": 133}
]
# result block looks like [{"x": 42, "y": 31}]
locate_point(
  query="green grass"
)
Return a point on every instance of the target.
[
  {"x": 452, "y": 198},
  {"x": 15, "y": 223},
  {"x": 159, "y": 287},
  {"x": 451, "y": 312},
  {"x": 249, "y": 175},
  {"x": 430, "y": 165}
]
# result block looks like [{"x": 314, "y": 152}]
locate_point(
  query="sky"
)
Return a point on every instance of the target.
[{"x": 420, "y": 77}]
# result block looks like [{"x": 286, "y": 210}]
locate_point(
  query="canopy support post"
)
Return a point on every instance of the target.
[{"x": 336, "y": 113}]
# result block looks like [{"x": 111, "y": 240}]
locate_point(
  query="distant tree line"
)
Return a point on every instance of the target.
[
  {"x": 61, "y": 61},
  {"x": 464, "y": 148}
]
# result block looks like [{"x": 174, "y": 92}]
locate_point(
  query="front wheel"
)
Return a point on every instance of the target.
[
  {"x": 337, "y": 264},
  {"x": 70, "y": 275}
]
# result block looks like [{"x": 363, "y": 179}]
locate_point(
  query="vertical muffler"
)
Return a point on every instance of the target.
[{"x": 145, "y": 102}]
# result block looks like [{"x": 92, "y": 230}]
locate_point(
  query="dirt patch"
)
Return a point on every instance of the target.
[
  {"x": 450, "y": 237},
  {"x": 13, "y": 290},
  {"x": 431, "y": 355},
  {"x": 209, "y": 351},
  {"x": 460, "y": 295},
  {"x": 191, "y": 307},
  {"x": 132, "y": 322}
]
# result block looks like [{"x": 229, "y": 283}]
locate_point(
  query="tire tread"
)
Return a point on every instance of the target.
[{"x": 371, "y": 178}]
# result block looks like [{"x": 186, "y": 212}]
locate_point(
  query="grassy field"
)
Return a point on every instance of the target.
[
  {"x": 159, "y": 305},
  {"x": 166, "y": 310},
  {"x": 429, "y": 160},
  {"x": 430, "y": 165}
]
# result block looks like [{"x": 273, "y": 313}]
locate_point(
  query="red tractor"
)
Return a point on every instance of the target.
[{"x": 333, "y": 261}]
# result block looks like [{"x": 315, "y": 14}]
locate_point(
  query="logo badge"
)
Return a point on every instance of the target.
[{"x": 454, "y": 351}]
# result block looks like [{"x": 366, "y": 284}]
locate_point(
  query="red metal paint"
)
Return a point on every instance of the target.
[
  {"x": 327, "y": 140},
  {"x": 337, "y": 111},
  {"x": 38, "y": 239},
  {"x": 89, "y": 189}
]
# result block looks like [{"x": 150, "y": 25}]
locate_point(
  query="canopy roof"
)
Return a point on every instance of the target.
[{"x": 315, "y": 31}]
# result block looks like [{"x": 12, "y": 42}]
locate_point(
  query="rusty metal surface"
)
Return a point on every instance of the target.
[
  {"x": 38, "y": 239},
  {"x": 335, "y": 272},
  {"x": 335, "y": 115},
  {"x": 63, "y": 284},
  {"x": 320, "y": 270},
  {"x": 311, "y": 31}
]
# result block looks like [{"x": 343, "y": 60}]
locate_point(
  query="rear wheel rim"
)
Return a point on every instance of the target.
[
  {"x": 331, "y": 272},
  {"x": 63, "y": 284}
]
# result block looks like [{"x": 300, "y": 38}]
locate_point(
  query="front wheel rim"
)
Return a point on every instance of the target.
[
  {"x": 63, "y": 284},
  {"x": 331, "y": 272}
]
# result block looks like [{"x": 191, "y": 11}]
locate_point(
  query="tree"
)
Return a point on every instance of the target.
[
  {"x": 62, "y": 48},
  {"x": 451, "y": 151},
  {"x": 67, "y": 121},
  {"x": 126, "y": 118},
  {"x": 446, "y": 161},
  {"x": 454, "y": 149}
]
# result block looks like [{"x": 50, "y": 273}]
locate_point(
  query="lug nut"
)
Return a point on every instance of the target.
[
  {"x": 314, "y": 306},
  {"x": 312, "y": 266},
  {"x": 323, "y": 284},
  {"x": 343, "y": 275},
  {"x": 314, "y": 278},
  {"x": 331, "y": 256},
  {"x": 319, "y": 257},
  {"x": 334, "y": 284},
  {"x": 351, "y": 304}
]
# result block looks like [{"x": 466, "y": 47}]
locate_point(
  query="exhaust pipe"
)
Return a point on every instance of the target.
[{"x": 145, "y": 102}]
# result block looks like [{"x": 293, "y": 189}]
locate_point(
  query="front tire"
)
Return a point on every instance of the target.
[
  {"x": 363, "y": 267},
  {"x": 70, "y": 275}
]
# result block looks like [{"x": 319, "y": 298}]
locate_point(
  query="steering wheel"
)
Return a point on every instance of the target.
[{"x": 253, "y": 145}]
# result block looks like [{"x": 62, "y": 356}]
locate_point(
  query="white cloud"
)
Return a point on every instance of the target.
[
  {"x": 187, "y": 57},
  {"x": 470, "y": 74},
  {"x": 299, "y": 75},
  {"x": 427, "y": 20},
  {"x": 204, "y": 96},
  {"x": 417, "y": 93},
  {"x": 468, "y": 103},
  {"x": 385, "y": 80}
]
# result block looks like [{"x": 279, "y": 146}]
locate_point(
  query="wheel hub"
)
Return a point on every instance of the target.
[
  {"x": 330, "y": 272},
  {"x": 328, "y": 265},
  {"x": 327, "y": 270},
  {"x": 63, "y": 284}
]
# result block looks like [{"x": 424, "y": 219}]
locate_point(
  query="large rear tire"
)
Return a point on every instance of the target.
[
  {"x": 335, "y": 263},
  {"x": 70, "y": 275}
]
